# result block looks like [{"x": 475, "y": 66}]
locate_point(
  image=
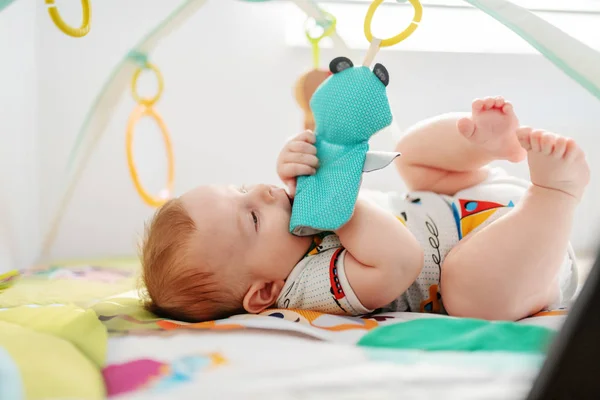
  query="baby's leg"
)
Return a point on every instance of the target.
[
  {"x": 449, "y": 153},
  {"x": 509, "y": 269}
]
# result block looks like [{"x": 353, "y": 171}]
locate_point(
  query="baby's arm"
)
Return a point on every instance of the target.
[
  {"x": 448, "y": 153},
  {"x": 382, "y": 257}
]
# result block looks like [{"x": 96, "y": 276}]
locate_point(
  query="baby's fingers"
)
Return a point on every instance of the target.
[
  {"x": 295, "y": 169},
  {"x": 301, "y": 158},
  {"x": 306, "y": 136},
  {"x": 297, "y": 146}
]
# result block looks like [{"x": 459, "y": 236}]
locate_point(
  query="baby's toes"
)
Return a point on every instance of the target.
[
  {"x": 573, "y": 151},
  {"x": 536, "y": 141},
  {"x": 477, "y": 105},
  {"x": 560, "y": 147},
  {"x": 507, "y": 108},
  {"x": 524, "y": 136},
  {"x": 547, "y": 143},
  {"x": 499, "y": 102},
  {"x": 488, "y": 103}
]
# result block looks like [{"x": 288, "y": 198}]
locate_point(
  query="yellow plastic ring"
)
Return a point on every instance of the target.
[
  {"x": 326, "y": 32},
  {"x": 66, "y": 28},
  {"x": 402, "y": 35},
  {"x": 143, "y": 100},
  {"x": 139, "y": 112}
]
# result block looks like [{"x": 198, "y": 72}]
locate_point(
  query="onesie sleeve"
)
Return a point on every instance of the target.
[{"x": 319, "y": 283}]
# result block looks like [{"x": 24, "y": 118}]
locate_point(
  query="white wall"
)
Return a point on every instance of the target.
[
  {"x": 228, "y": 103},
  {"x": 19, "y": 197}
]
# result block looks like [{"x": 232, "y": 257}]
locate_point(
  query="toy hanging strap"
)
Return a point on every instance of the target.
[
  {"x": 309, "y": 81},
  {"x": 328, "y": 30},
  {"x": 376, "y": 43}
]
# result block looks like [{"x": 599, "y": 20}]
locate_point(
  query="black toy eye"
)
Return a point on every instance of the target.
[
  {"x": 339, "y": 64},
  {"x": 382, "y": 74}
]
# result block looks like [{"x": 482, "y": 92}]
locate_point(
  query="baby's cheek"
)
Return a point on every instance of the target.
[{"x": 300, "y": 245}]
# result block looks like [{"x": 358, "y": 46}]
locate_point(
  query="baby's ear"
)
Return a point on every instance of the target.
[
  {"x": 339, "y": 64},
  {"x": 382, "y": 74},
  {"x": 262, "y": 295}
]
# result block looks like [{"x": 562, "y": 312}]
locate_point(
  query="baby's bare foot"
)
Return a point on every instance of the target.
[
  {"x": 492, "y": 126},
  {"x": 555, "y": 162}
]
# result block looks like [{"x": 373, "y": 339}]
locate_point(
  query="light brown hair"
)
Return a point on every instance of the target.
[{"x": 180, "y": 285}]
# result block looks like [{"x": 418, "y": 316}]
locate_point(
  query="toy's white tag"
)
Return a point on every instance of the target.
[
  {"x": 378, "y": 160},
  {"x": 305, "y": 231}
]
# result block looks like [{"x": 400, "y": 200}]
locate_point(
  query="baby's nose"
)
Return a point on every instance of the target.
[{"x": 265, "y": 193}]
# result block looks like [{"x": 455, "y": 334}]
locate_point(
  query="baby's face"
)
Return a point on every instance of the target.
[{"x": 247, "y": 228}]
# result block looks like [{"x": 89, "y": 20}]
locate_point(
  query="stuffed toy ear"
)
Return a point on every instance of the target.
[
  {"x": 339, "y": 64},
  {"x": 381, "y": 73}
]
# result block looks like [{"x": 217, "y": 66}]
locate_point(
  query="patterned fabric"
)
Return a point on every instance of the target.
[
  {"x": 438, "y": 223},
  {"x": 151, "y": 357},
  {"x": 319, "y": 282}
]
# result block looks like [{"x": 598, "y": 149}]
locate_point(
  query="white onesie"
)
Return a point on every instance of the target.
[{"x": 318, "y": 282}]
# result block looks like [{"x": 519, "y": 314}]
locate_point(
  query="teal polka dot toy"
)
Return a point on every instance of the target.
[{"x": 349, "y": 108}]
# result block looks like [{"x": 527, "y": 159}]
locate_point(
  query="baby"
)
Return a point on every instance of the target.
[{"x": 466, "y": 240}]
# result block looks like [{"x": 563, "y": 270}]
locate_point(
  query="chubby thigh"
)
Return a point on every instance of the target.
[{"x": 503, "y": 257}]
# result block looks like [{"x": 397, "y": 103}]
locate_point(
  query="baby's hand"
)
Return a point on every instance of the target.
[{"x": 298, "y": 157}]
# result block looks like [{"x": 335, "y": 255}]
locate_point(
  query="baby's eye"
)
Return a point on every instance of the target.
[
  {"x": 254, "y": 218},
  {"x": 243, "y": 189}
]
